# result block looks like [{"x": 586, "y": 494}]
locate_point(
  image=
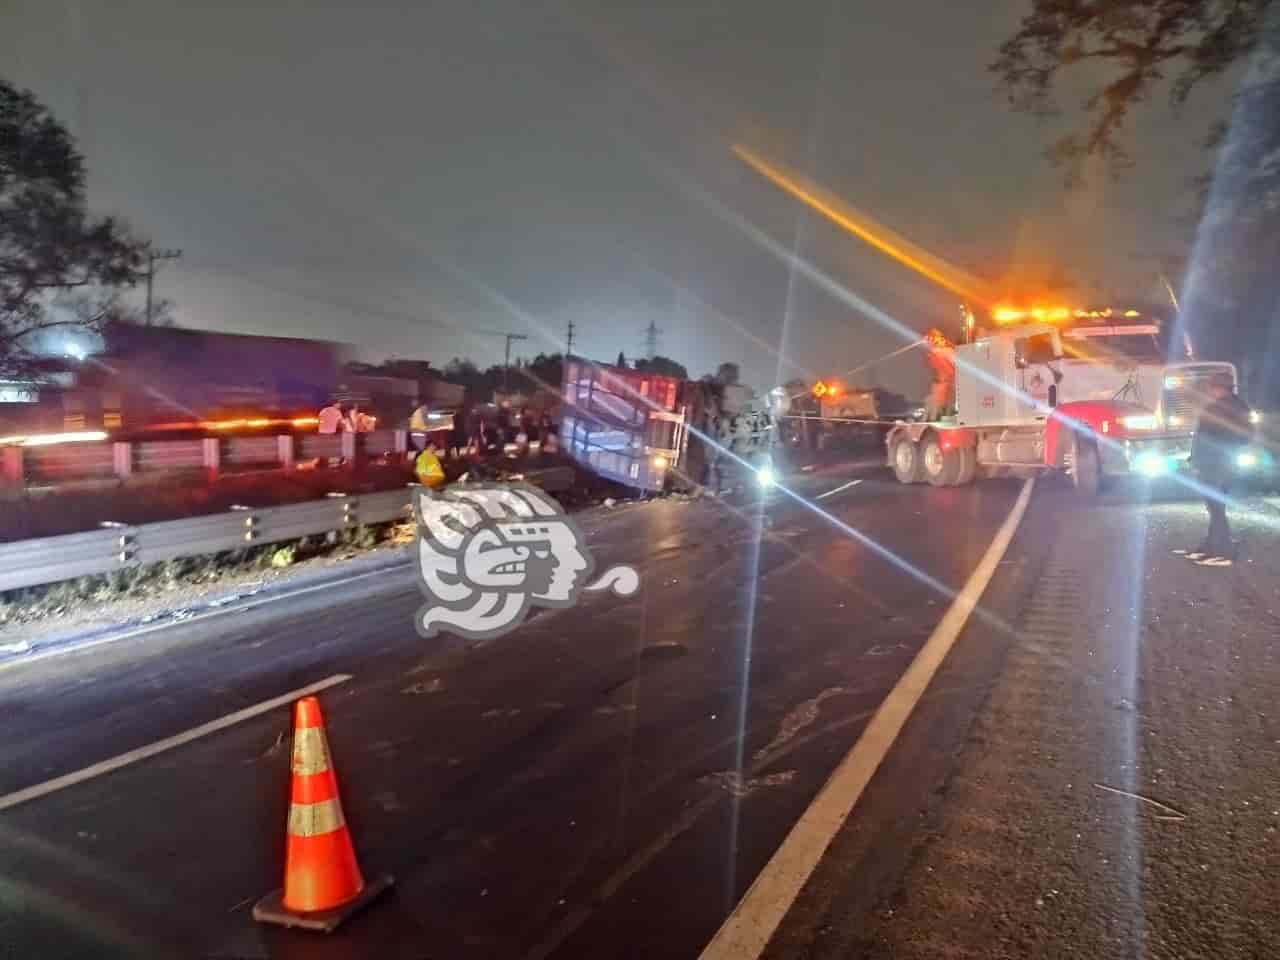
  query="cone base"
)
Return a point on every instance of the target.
[{"x": 271, "y": 909}]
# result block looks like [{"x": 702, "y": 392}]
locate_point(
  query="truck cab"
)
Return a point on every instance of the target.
[{"x": 1088, "y": 393}]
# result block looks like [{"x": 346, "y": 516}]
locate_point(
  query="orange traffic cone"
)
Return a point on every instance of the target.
[{"x": 323, "y": 885}]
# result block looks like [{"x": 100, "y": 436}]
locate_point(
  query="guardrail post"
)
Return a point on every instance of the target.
[
  {"x": 12, "y": 473},
  {"x": 122, "y": 459},
  {"x": 211, "y": 448},
  {"x": 285, "y": 451},
  {"x": 400, "y": 442}
]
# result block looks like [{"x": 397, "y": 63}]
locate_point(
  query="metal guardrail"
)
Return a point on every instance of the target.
[{"x": 29, "y": 563}]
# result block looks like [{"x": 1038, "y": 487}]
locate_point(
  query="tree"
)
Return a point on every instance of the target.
[
  {"x": 727, "y": 374},
  {"x": 58, "y": 265},
  {"x": 622, "y": 360},
  {"x": 1143, "y": 43},
  {"x": 663, "y": 367},
  {"x": 544, "y": 373},
  {"x": 1140, "y": 47}
]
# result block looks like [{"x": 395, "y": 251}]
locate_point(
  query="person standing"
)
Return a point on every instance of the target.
[
  {"x": 1223, "y": 431},
  {"x": 330, "y": 418}
]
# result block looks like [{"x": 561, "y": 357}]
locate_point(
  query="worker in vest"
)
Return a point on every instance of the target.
[{"x": 427, "y": 468}]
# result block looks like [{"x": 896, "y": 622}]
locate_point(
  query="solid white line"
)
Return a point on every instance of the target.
[
  {"x": 832, "y": 493},
  {"x": 169, "y": 743},
  {"x": 747, "y": 931}
]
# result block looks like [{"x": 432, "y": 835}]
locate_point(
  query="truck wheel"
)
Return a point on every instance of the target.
[
  {"x": 906, "y": 460},
  {"x": 941, "y": 466},
  {"x": 1086, "y": 468},
  {"x": 968, "y": 465}
]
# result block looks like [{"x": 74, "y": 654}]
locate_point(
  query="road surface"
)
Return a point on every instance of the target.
[{"x": 606, "y": 781}]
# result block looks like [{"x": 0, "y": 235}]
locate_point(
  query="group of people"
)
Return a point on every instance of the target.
[
  {"x": 455, "y": 435},
  {"x": 345, "y": 418}
]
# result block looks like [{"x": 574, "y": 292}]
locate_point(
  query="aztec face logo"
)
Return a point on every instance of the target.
[{"x": 488, "y": 554}]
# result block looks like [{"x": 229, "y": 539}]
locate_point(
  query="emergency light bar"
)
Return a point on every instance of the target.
[{"x": 1149, "y": 328}]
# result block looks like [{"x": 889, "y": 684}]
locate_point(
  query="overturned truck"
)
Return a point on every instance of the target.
[{"x": 654, "y": 433}]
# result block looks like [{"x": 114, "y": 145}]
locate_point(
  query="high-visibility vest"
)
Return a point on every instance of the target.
[{"x": 429, "y": 471}]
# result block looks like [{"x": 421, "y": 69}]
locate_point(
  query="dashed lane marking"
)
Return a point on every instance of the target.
[
  {"x": 169, "y": 743},
  {"x": 747, "y": 931}
]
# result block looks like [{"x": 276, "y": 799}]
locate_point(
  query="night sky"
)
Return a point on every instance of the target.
[{"x": 395, "y": 174}]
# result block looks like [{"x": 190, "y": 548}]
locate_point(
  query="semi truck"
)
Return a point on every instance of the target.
[{"x": 1091, "y": 394}]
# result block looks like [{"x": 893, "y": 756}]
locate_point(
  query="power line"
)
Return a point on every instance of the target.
[
  {"x": 152, "y": 257},
  {"x": 651, "y": 339}
]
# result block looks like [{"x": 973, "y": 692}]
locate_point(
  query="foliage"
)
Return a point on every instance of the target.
[
  {"x": 727, "y": 374},
  {"x": 663, "y": 367},
  {"x": 58, "y": 265},
  {"x": 622, "y": 359},
  {"x": 1142, "y": 43}
]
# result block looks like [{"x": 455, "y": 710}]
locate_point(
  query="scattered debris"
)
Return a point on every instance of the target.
[
  {"x": 609, "y": 501},
  {"x": 500, "y": 712},
  {"x": 795, "y": 721},
  {"x": 609, "y": 709},
  {"x": 272, "y": 750},
  {"x": 732, "y": 783},
  {"x": 434, "y": 685},
  {"x": 1170, "y": 814}
]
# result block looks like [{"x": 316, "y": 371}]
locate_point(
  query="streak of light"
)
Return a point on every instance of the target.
[
  {"x": 877, "y": 235},
  {"x": 51, "y": 439}
]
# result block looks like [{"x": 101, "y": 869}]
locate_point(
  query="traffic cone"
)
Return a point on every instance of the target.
[{"x": 323, "y": 885}]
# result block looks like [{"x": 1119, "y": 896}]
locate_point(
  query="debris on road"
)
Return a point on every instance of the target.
[
  {"x": 1170, "y": 814},
  {"x": 732, "y": 783},
  {"x": 802, "y": 716}
]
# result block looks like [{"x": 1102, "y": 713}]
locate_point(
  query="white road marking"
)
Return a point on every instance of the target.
[
  {"x": 832, "y": 493},
  {"x": 169, "y": 743},
  {"x": 747, "y": 931}
]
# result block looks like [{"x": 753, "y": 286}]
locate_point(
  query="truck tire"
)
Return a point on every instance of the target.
[
  {"x": 1086, "y": 467},
  {"x": 968, "y": 465},
  {"x": 941, "y": 466},
  {"x": 905, "y": 457}
]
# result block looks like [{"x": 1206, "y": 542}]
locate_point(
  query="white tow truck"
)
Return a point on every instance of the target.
[{"x": 1090, "y": 393}]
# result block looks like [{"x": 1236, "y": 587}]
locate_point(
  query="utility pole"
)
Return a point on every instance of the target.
[
  {"x": 506, "y": 365},
  {"x": 152, "y": 257},
  {"x": 506, "y": 362},
  {"x": 568, "y": 347}
]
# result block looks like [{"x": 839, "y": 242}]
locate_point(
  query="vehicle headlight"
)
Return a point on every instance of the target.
[
  {"x": 765, "y": 477},
  {"x": 1141, "y": 421},
  {"x": 1172, "y": 383},
  {"x": 660, "y": 462},
  {"x": 1151, "y": 464},
  {"x": 1176, "y": 421},
  {"x": 1246, "y": 460},
  {"x": 1255, "y": 417}
]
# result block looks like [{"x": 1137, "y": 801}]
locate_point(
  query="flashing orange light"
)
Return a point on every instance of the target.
[
  {"x": 259, "y": 422},
  {"x": 820, "y": 390},
  {"x": 1132, "y": 313},
  {"x": 306, "y": 421}
]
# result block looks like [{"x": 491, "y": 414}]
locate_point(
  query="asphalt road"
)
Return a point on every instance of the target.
[
  {"x": 606, "y": 781},
  {"x": 1118, "y": 793}
]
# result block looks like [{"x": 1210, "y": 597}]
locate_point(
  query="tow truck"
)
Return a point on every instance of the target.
[{"x": 1087, "y": 393}]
